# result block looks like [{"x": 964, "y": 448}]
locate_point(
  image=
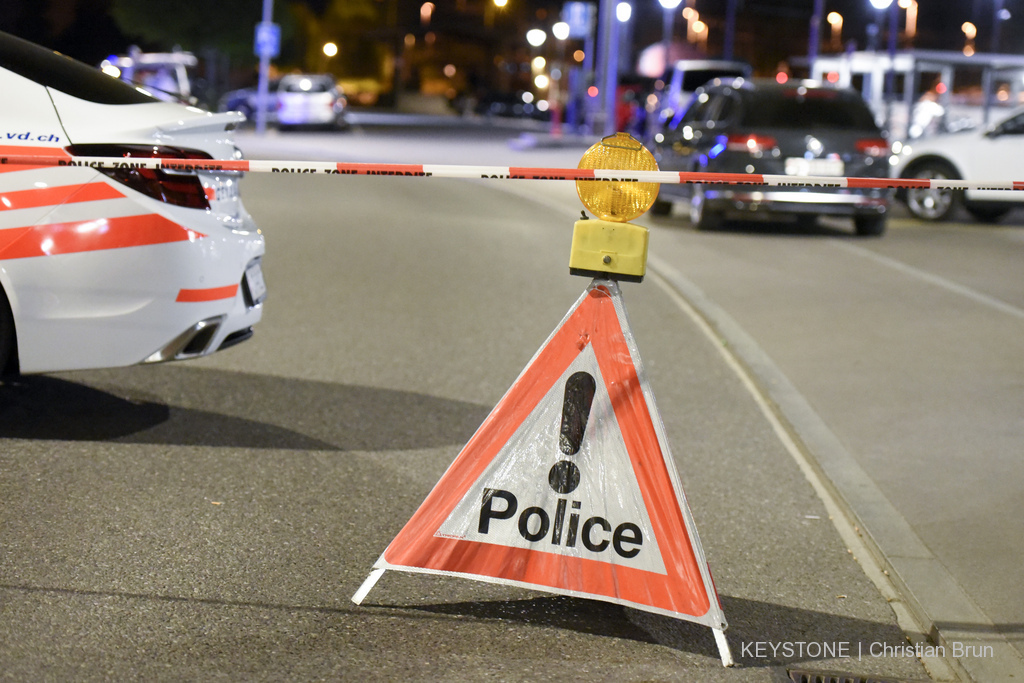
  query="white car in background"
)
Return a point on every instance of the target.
[
  {"x": 310, "y": 100},
  {"x": 993, "y": 153},
  {"x": 115, "y": 266}
]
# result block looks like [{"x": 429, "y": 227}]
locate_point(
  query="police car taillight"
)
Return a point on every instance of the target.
[{"x": 180, "y": 188}]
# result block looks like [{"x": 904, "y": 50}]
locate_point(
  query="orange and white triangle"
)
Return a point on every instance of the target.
[{"x": 601, "y": 515}]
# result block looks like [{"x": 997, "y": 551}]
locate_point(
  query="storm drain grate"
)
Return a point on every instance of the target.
[{"x": 803, "y": 676}]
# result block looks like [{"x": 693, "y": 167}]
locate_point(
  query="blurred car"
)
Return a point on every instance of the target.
[
  {"x": 165, "y": 75},
  {"x": 994, "y": 153},
  {"x": 296, "y": 100},
  {"x": 763, "y": 127},
  {"x": 116, "y": 265},
  {"x": 509, "y": 105},
  {"x": 245, "y": 100},
  {"x": 686, "y": 75},
  {"x": 310, "y": 100}
]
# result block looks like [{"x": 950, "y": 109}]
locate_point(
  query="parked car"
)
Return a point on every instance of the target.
[
  {"x": 116, "y": 265},
  {"x": 310, "y": 100},
  {"x": 686, "y": 75},
  {"x": 164, "y": 75},
  {"x": 763, "y": 127},
  {"x": 245, "y": 100},
  {"x": 509, "y": 105},
  {"x": 993, "y": 153},
  {"x": 295, "y": 100}
]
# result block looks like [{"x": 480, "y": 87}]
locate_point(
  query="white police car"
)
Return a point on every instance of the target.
[{"x": 106, "y": 267}]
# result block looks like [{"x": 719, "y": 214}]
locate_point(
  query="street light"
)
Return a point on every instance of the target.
[
  {"x": 970, "y": 33},
  {"x": 911, "y": 7},
  {"x": 667, "y": 19},
  {"x": 561, "y": 31},
  {"x": 691, "y": 15},
  {"x": 700, "y": 34},
  {"x": 890, "y": 75},
  {"x": 835, "y": 20},
  {"x": 330, "y": 50},
  {"x": 999, "y": 15}
]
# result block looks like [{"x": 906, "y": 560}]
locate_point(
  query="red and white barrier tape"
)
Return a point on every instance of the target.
[{"x": 505, "y": 172}]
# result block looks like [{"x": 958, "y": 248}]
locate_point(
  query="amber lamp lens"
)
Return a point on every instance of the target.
[{"x": 615, "y": 200}]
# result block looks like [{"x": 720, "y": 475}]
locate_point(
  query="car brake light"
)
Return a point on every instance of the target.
[
  {"x": 754, "y": 144},
  {"x": 873, "y": 147},
  {"x": 180, "y": 188}
]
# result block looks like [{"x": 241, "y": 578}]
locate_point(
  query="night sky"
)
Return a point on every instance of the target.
[{"x": 83, "y": 29}]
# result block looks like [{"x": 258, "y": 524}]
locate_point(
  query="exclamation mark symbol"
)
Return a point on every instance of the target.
[{"x": 564, "y": 476}]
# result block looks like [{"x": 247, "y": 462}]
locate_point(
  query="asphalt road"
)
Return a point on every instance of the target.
[{"x": 213, "y": 518}]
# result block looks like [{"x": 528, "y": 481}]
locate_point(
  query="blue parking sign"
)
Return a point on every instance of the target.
[
  {"x": 268, "y": 39},
  {"x": 580, "y": 17}
]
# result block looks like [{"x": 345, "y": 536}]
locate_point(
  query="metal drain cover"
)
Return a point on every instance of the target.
[{"x": 804, "y": 676}]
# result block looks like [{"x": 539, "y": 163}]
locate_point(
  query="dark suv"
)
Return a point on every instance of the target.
[{"x": 762, "y": 127}]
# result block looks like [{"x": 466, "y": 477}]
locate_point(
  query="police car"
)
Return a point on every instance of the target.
[{"x": 109, "y": 264}]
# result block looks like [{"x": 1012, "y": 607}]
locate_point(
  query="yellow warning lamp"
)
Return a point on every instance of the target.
[{"x": 609, "y": 246}]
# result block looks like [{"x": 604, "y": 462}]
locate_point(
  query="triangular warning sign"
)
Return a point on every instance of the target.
[{"x": 569, "y": 486}]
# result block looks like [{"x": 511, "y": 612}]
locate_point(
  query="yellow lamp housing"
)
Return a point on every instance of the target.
[{"x": 609, "y": 247}]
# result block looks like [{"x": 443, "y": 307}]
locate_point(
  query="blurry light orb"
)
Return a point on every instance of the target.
[
  {"x": 592, "y": 91},
  {"x": 689, "y": 14},
  {"x": 835, "y": 18},
  {"x": 832, "y": 77},
  {"x": 330, "y": 49},
  {"x": 881, "y": 4},
  {"x": 560, "y": 30},
  {"x": 538, "y": 63},
  {"x": 536, "y": 37},
  {"x": 528, "y": 97},
  {"x": 970, "y": 30},
  {"x": 305, "y": 84},
  {"x": 426, "y": 10},
  {"x": 410, "y": 40},
  {"x": 669, "y": 4},
  {"x": 556, "y": 74},
  {"x": 579, "y": 56},
  {"x": 449, "y": 70},
  {"x": 541, "y": 81},
  {"x": 430, "y": 38},
  {"x": 542, "y": 105},
  {"x": 781, "y": 77},
  {"x": 623, "y": 11},
  {"x": 110, "y": 70},
  {"x": 500, "y": 3}
]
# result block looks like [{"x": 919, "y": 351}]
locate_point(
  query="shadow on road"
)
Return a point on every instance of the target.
[
  {"x": 754, "y": 627},
  {"x": 206, "y": 407}
]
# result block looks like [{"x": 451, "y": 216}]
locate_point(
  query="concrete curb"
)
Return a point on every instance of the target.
[{"x": 934, "y": 604}]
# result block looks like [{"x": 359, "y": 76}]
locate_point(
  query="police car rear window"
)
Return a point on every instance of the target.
[{"x": 56, "y": 71}]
